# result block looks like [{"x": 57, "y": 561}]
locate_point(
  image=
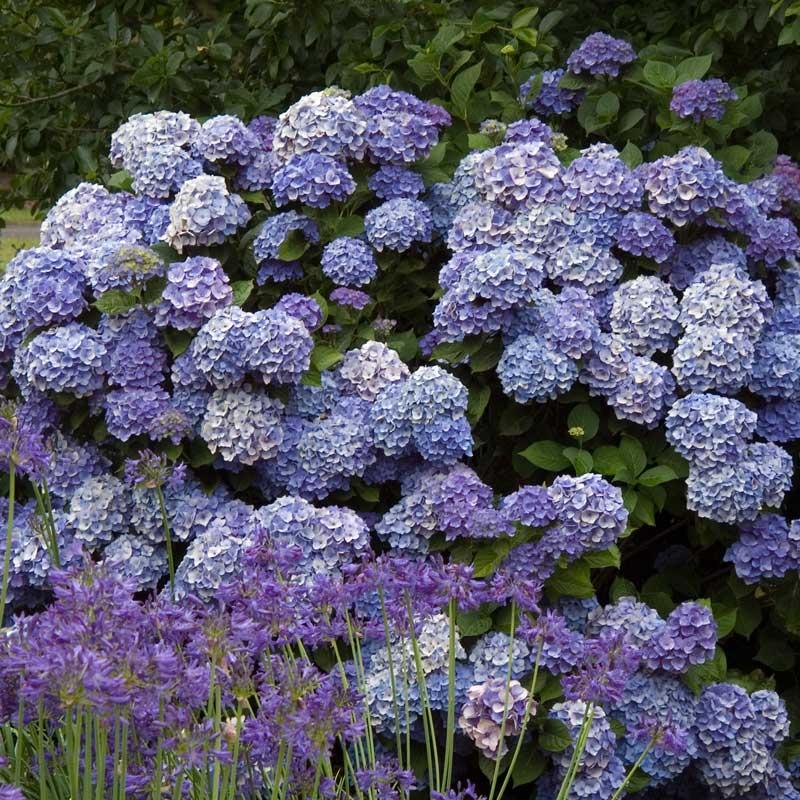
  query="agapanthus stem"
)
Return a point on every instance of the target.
[
  {"x": 168, "y": 537},
  {"x": 632, "y": 770},
  {"x": 451, "y": 698},
  {"x": 528, "y": 707},
  {"x": 496, "y": 773},
  {"x": 51, "y": 539},
  {"x": 577, "y": 753},
  {"x": 9, "y": 538},
  {"x": 387, "y": 634}
]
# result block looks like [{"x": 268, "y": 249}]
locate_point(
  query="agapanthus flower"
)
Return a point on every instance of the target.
[
  {"x": 608, "y": 663},
  {"x": 701, "y": 99},
  {"x": 601, "y": 54},
  {"x": 151, "y": 471}
]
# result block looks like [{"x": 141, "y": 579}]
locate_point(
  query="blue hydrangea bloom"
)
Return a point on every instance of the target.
[
  {"x": 688, "y": 261},
  {"x": 277, "y": 346},
  {"x": 242, "y": 425},
  {"x": 583, "y": 265},
  {"x": 390, "y": 182},
  {"x": 204, "y": 212},
  {"x": 397, "y": 224},
  {"x": 776, "y": 367},
  {"x": 137, "y": 559},
  {"x": 699, "y": 100},
  {"x": 303, "y": 307},
  {"x": 123, "y": 266},
  {"x": 81, "y": 214},
  {"x": 218, "y": 350},
  {"x": 266, "y": 246},
  {"x": 490, "y": 653},
  {"x": 528, "y": 130},
  {"x": 226, "y": 139},
  {"x": 349, "y": 262},
  {"x": 707, "y": 429},
  {"x": 519, "y": 175},
  {"x": 530, "y": 505},
  {"x": 551, "y": 99},
  {"x": 606, "y": 366},
  {"x": 161, "y": 171},
  {"x": 326, "y": 122},
  {"x": 314, "y": 179},
  {"x": 99, "y": 510},
  {"x": 142, "y": 131},
  {"x": 439, "y": 200},
  {"x": 190, "y": 388},
  {"x": 768, "y": 547},
  {"x": 709, "y": 359},
  {"x": 645, "y": 315},
  {"x": 688, "y": 638},
  {"x": 479, "y": 226},
  {"x": 601, "y": 54},
  {"x": 369, "y": 369},
  {"x": 531, "y": 369},
  {"x": 71, "y": 359},
  {"x": 773, "y": 241},
  {"x": 638, "y": 623},
  {"x": 644, "y": 394},
  {"x": 599, "y": 179},
  {"x": 779, "y": 421},
  {"x": 196, "y": 289},
  {"x": 70, "y": 463},
  {"x": 133, "y": 410},
  {"x": 642, "y": 234}
]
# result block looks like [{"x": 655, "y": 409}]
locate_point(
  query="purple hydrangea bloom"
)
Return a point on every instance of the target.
[
  {"x": 528, "y": 130},
  {"x": 196, "y": 289},
  {"x": 397, "y": 224},
  {"x": 71, "y": 358},
  {"x": 776, "y": 367},
  {"x": 263, "y": 127},
  {"x": 123, "y": 266},
  {"x": 131, "y": 411},
  {"x": 606, "y": 365},
  {"x": 601, "y": 54},
  {"x": 218, "y": 350},
  {"x": 598, "y": 180},
  {"x": 768, "y": 547},
  {"x": 645, "y": 315},
  {"x": 530, "y": 505},
  {"x": 689, "y": 261},
  {"x": 638, "y": 623},
  {"x": 350, "y": 297},
  {"x": 642, "y": 234},
  {"x": 390, "y": 182},
  {"x": 773, "y": 241},
  {"x": 699, "y": 100},
  {"x": 204, "y": 212},
  {"x": 482, "y": 714},
  {"x": 519, "y": 175},
  {"x": 70, "y": 463},
  {"x": 349, "y": 262},
  {"x": 142, "y": 131},
  {"x": 368, "y": 370},
  {"x": 585, "y": 266},
  {"x": 303, "y": 307},
  {"x": 644, "y": 394},
  {"x": 81, "y": 214},
  {"x": 478, "y": 227},
  {"x": 314, "y": 179},
  {"x": 560, "y": 648},
  {"x": 226, "y": 139},
  {"x": 136, "y": 559},
  {"x": 551, "y": 98},
  {"x": 688, "y": 638}
]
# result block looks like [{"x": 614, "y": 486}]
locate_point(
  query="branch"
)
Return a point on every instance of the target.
[{"x": 29, "y": 101}]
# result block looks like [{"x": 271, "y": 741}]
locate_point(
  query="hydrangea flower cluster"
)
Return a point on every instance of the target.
[{"x": 699, "y": 100}]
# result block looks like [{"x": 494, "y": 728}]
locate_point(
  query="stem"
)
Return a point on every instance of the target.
[
  {"x": 577, "y": 753},
  {"x": 633, "y": 769},
  {"x": 9, "y": 538},
  {"x": 387, "y": 634},
  {"x": 528, "y": 707},
  {"x": 51, "y": 540},
  {"x": 168, "y": 537},
  {"x": 451, "y": 699},
  {"x": 497, "y": 761}
]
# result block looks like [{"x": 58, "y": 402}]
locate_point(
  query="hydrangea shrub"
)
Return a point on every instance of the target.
[{"x": 343, "y": 461}]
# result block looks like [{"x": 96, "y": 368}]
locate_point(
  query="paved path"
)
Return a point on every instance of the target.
[{"x": 20, "y": 230}]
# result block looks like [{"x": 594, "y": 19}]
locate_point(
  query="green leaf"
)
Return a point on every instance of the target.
[
  {"x": 405, "y": 344},
  {"x": 698, "y": 676},
  {"x": 487, "y": 560},
  {"x": 487, "y": 357},
  {"x": 324, "y": 357},
  {"x": 524, "y": 17},
  {"x": 479, "y": 141},
  {"x": 549, "y": 21},
  {"x": 241, "y": 291},
  {"x": 473, "y": 623},
  {"x": 775, "y": 650},
  {"x": 477, "y": 401},
  {"x": 631, "y": 155},
  {"x": 293, "y": 247},
  {"x": 608, "y": 460},
  {"x": 725, "y": 618},
  {"x": 629, "y": 119},
  {"x": 515, "y": 420},
  {"x": 116, "y": 301},
  {"x": 621, "y": 587},
  {"x": 607, "y": 106},
  {"x": 583, "y": 416},
  {"x": 199, "y": 454},
  {"x": 554, "y": 736},
  {"x": 581, "y": 460},
  {"x": 462, "y": 86},
  {"x": 604, "y": 558},
  {"x": 547, "y": 455},
  {"x": 530, "y": 765},
  {"x": 748, "y": 615},
  {"x": 657, "y": 475},
  {"x": 787, "y": 603},
  {"x": 574, "y": 580},
  {"x": 660, "y": 74},
  {"x": 349, "y": 226},
  {"x": 120, "y": 180},
  {"x": 177, "y": 341},
  {"x": 633, "y": 455},
  {"x": 693, "y": 68}
]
